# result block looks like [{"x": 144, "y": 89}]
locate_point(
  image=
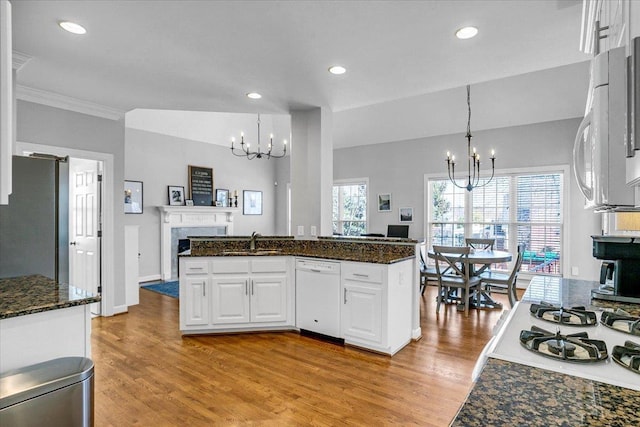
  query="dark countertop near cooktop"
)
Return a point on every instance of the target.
[
  {"x": 20, "y": 296},
  {"x": 510, "y": 394}
]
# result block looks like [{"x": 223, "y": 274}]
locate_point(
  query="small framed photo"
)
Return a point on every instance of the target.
[
  {"x": 252, "y": 202},
  {"x": 406, "y": 214},
  {"x": 188, "y": 202},
  {"x": 176, "y": 195},
  {"x": 384, "y": 202},
  {"x": 133, "y": 197},
  {"x": 222, "y": 197}
]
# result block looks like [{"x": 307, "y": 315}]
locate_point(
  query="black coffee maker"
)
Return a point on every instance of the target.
[{"x": 620, "y": 272}]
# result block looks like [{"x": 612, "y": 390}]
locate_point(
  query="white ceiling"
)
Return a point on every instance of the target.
[{"x": 206, "y": 55}]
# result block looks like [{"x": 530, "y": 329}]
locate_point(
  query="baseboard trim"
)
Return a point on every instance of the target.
[
  {"x": 119, "y": 309},
  {"x": 151, "y": 278}
]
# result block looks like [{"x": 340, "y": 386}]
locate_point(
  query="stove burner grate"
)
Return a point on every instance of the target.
[
  {"x": 574, "y": 316},
  {"x": 627, "y": 356},
  {"x": 572, "y": 348},
  {"x": 621, "y": 321}
]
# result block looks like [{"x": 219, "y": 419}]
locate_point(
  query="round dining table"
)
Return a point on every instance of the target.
[{"x": 484, "y": 259}]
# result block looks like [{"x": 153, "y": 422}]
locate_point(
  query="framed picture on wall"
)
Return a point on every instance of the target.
[
  {"x": 384, "y": 202},
  {"x": 201, "y": 185},
  {"x": 176, "y": 195},
  {"x": 252, "y": 202},
  {"x": 222, "y": 197},
  {"x": 133, "y": 197},
  {"x": 406, "y": 214}
]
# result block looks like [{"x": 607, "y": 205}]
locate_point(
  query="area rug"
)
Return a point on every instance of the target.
[{"x": 166, "y": 288}]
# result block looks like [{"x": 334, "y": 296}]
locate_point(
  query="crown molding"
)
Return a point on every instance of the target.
[
  {"x": 64, "y": 102},
  {"x": 19, "y": 59}
]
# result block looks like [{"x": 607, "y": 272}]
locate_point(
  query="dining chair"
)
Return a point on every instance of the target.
[
  {"x": 426, "y": 273},
  {"x": 454, "y": 258},
  {"x": 505, "y": 283},
  {"x": 480, "y": 244}
]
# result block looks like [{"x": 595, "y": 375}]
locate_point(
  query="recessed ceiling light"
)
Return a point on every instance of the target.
[
  {"x": 254, "y": 95},
  {"x": 337, "y": 69},
  {"x": 466, "y": 32},
  {"x": 72, "y": 27}
]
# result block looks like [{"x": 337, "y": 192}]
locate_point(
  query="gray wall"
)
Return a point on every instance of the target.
[
  {"x": 162, "y": 160},
  {"x": 40, "y": 124},
  {"x": 399, "y": 168}
]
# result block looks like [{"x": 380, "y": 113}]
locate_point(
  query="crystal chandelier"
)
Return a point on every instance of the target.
[
  {"x": 473, "y": 159},
  {"x": 245, "y": 149}
]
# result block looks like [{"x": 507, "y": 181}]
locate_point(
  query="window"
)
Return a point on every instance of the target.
[
  {"x": 514, "y": 209},
  {"x": 350, "y": 207}
]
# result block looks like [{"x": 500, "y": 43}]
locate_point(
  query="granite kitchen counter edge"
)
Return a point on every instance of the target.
[
  {"x": 378, "y": 251},
  {"x": 24, "y": 295},
  {"x": 508, "y": 393},
  {"x": 301, "y": 255}
]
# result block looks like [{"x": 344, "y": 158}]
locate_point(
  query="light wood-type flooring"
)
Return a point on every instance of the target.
[{"x": 147, "y": 374}]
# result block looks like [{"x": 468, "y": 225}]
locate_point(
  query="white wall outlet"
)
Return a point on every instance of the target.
[
  {"x": 574, "y": 271},
  {"x": 313, "y": 231},
  {"x": 301, "y": 230}
]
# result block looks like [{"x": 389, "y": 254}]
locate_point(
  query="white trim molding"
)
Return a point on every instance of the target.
[
  {"x": 189, "y": 216},
  {"x": 65, "y": 102},
  {"x": 20, "y": 59}
]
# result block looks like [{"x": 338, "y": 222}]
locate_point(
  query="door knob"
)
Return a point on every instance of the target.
[{"x": 72, "y": 243}]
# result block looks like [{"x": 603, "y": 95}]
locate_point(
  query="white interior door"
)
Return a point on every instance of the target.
[{"x": 84, "y": 226}]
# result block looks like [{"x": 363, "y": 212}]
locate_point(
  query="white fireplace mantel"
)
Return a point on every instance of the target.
[{"x": 189, "y": 216}]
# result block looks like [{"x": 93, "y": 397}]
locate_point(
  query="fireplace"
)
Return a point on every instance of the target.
[{"x": 177, "y": 220}]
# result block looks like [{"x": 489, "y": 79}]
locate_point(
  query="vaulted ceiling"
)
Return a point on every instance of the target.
[{"x": 402, "y": 58}]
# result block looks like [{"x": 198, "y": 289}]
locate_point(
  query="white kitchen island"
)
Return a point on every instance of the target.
[{"x": 227, "y": 289}]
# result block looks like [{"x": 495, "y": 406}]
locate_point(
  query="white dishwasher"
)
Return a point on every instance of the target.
[{"x": 318, "y": 296}]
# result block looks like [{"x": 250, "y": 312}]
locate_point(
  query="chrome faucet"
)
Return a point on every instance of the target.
[{"x": 252, "y": 242}]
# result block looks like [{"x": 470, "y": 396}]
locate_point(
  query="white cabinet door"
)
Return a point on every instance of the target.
[
  {"x": 268, "y": 298},
  {"x": 362, "y": 312},
  {"x": 196, "y": 302},
  {"x": 230, "y": 300}
]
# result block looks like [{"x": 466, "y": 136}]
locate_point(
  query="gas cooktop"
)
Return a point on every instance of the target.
[
  {"x": 621, "y": 321},
  {"x": 574, "y": 316},
  {"x": 508, "y": 345},
  {"x": 572, "y": 348},
  {"x": 628, "y": 356}
]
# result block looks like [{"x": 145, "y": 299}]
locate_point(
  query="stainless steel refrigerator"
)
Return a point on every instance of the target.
[{"x": 34, "y": 236}]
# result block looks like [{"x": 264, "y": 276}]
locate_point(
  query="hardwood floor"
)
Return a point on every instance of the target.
[{"x": 147, "y": 374}]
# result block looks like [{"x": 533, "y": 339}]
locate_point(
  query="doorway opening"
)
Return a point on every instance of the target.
[{"x": 91, "y": 221}]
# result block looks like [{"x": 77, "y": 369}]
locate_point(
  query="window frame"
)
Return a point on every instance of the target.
[
  {"x": 354, "y": 181},
  {"x": 562, "y": 169}
]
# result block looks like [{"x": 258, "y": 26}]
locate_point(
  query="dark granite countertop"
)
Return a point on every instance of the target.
[
  {"x": 509, "y": 394},
  {"x": 20, "y": 296},
  {"x": 377, "y": 250}
]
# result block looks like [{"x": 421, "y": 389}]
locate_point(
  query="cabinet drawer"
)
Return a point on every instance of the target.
[
  {"x": 269, "y": 265},
  {"x": 196, "y": 267},
  {"x": 370, "y": 273},
  {"x": 230, "y": 265}
]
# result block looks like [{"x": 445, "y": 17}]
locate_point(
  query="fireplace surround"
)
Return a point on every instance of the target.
[{"x": 189, "y": 216}]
